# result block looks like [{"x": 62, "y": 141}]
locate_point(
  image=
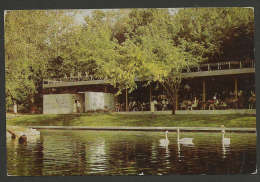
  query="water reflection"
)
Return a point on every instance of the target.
[
  {"x": 225, "y": 144},
  {"x": 131, "y": 153},
  {"x": 26, "y": 158}
]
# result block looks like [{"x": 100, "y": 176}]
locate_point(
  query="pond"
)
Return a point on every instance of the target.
[{"x": 65, "y": 152}]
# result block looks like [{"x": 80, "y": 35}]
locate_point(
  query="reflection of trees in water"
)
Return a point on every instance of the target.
[
  {"x": 122, "y": 156},
  {"x": 25, "y": 159},
  {"x": 63, "y": 155},
  {"x": 114, "y": 153},
  {"x": 96, "y": 159}
]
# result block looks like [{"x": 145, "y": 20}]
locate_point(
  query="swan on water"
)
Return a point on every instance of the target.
[
  {"x": 255, "y": 172},
  {"x": 141, "y": 174},
  {"x": 164, "y": 142},
  {"x": 225, "y": 141},
  {"x": 184, "y": 141}
]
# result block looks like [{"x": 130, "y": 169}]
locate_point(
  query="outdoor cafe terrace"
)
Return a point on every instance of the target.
[
  {"x": 203, "y": 70},
  {"x": 235, "y": 91}
]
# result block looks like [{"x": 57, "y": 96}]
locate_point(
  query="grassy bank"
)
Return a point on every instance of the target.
[{"x": 113, "y": 119}]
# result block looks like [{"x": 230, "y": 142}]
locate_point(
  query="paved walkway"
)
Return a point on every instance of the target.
[{"x": 199, "y": 129}]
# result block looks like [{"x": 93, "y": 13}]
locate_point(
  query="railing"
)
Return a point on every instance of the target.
[
  {"x": 203, "y": 67},
  {"x": 222, "y": 66},
  {"x": 73, "y": 78}
]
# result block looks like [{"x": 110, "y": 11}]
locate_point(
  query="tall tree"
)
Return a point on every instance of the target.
[
  {"x": 220, "y": 34},
  {"x": 31, "y": 39},
  {"x": 147, "y": 53},
  {"x": 163, "y": 60}
]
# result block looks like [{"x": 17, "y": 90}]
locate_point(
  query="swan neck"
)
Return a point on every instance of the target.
[{"x": 166, "y": 136}]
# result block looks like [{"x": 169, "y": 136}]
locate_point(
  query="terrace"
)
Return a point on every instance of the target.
[{"x": 203, "y": 70}]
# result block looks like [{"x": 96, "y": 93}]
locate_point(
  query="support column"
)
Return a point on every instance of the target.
[
  {"x": 126, "y": 100},
  {"x": 236, "y": 92},
  {"x": 150, "y": 89},
  {"x": 204, "y": 93}
]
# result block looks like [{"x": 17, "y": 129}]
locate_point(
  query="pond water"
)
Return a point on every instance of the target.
[{"x": 63, "y": 152}]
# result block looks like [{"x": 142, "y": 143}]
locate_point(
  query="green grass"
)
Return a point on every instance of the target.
[{"x": 113, "y": 119}]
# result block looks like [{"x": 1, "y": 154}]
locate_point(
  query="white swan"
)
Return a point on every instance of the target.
[
  {"x": 141, "y": 174},
  {"x": 184, "y": 141},
  {"x": 164, "y": 142},
  {"x": 225, "y": 141},
  {"x": 255, "y": 172}
]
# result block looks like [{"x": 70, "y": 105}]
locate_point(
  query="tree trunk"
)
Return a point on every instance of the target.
[
  {"x": 173, "y": 110},
  {"x": 173, "y": 106},
  {"x": 32, "y": 106}
]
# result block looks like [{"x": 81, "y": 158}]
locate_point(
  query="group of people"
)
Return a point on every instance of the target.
[
  {"x": 225, "y": 100},
  {"x": 157, "y": 104},
  {"x": 197, "y": 104}
]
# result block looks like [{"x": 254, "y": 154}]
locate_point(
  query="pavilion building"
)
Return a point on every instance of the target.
[{"x": 231, "y": 83}]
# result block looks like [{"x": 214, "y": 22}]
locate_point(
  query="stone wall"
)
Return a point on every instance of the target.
[
  {"x": 99, "y": 101},
  {"x": 58, "y": 103},
  {"x": 65, "y": 103}
]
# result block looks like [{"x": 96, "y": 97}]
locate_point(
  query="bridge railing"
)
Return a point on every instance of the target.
[{"x": 203, "y": 67}]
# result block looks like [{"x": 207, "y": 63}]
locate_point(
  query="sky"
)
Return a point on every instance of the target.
[
  {"x": 79, "y": 17},
  {"x": 87, "y": 12}
]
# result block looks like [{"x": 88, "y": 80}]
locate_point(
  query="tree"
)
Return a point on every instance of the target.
[
  {"x": 219, "y": 34},
  {"x": 147, "y": 53},
  {"x": 163, "y": 60},
  {"x": 31, "y": 39},
  {"x": 121, "y": 46}
]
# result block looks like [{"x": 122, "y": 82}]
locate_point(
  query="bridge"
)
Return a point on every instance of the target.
[{"x": 203, "y": 70}]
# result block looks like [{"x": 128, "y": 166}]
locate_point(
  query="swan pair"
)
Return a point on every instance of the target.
[{"x": 185, "y": 141}]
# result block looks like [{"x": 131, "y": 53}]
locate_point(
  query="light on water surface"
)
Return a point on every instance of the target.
[{"x": 131, "y": 153}]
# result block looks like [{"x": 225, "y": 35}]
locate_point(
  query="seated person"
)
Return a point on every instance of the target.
[
  {"x": 117, "y": 107},
  {"x": 189, "y": 105},
  {"x": 183, "y": 105},
  {"x": 223, "y": 105},
  {"x": 211, "y": 104},
  {"x": 134, "y": 106},
  {"x": 164, "y": 104},
  {"x": 195, "y": 103}
]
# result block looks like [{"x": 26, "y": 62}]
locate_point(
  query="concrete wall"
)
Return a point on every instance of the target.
[
  {"x": 58, "y": 103},
  {"x": 99, "y": 101},
  {"x": 65, "y": 103},
  {"x": 228, "y": 111}
]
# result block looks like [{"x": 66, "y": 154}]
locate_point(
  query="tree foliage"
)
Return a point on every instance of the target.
[
  {"x": 220, "y": 34},
  {"x": 32, "y": 38},
  {"x": 122, "y": 46}
]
